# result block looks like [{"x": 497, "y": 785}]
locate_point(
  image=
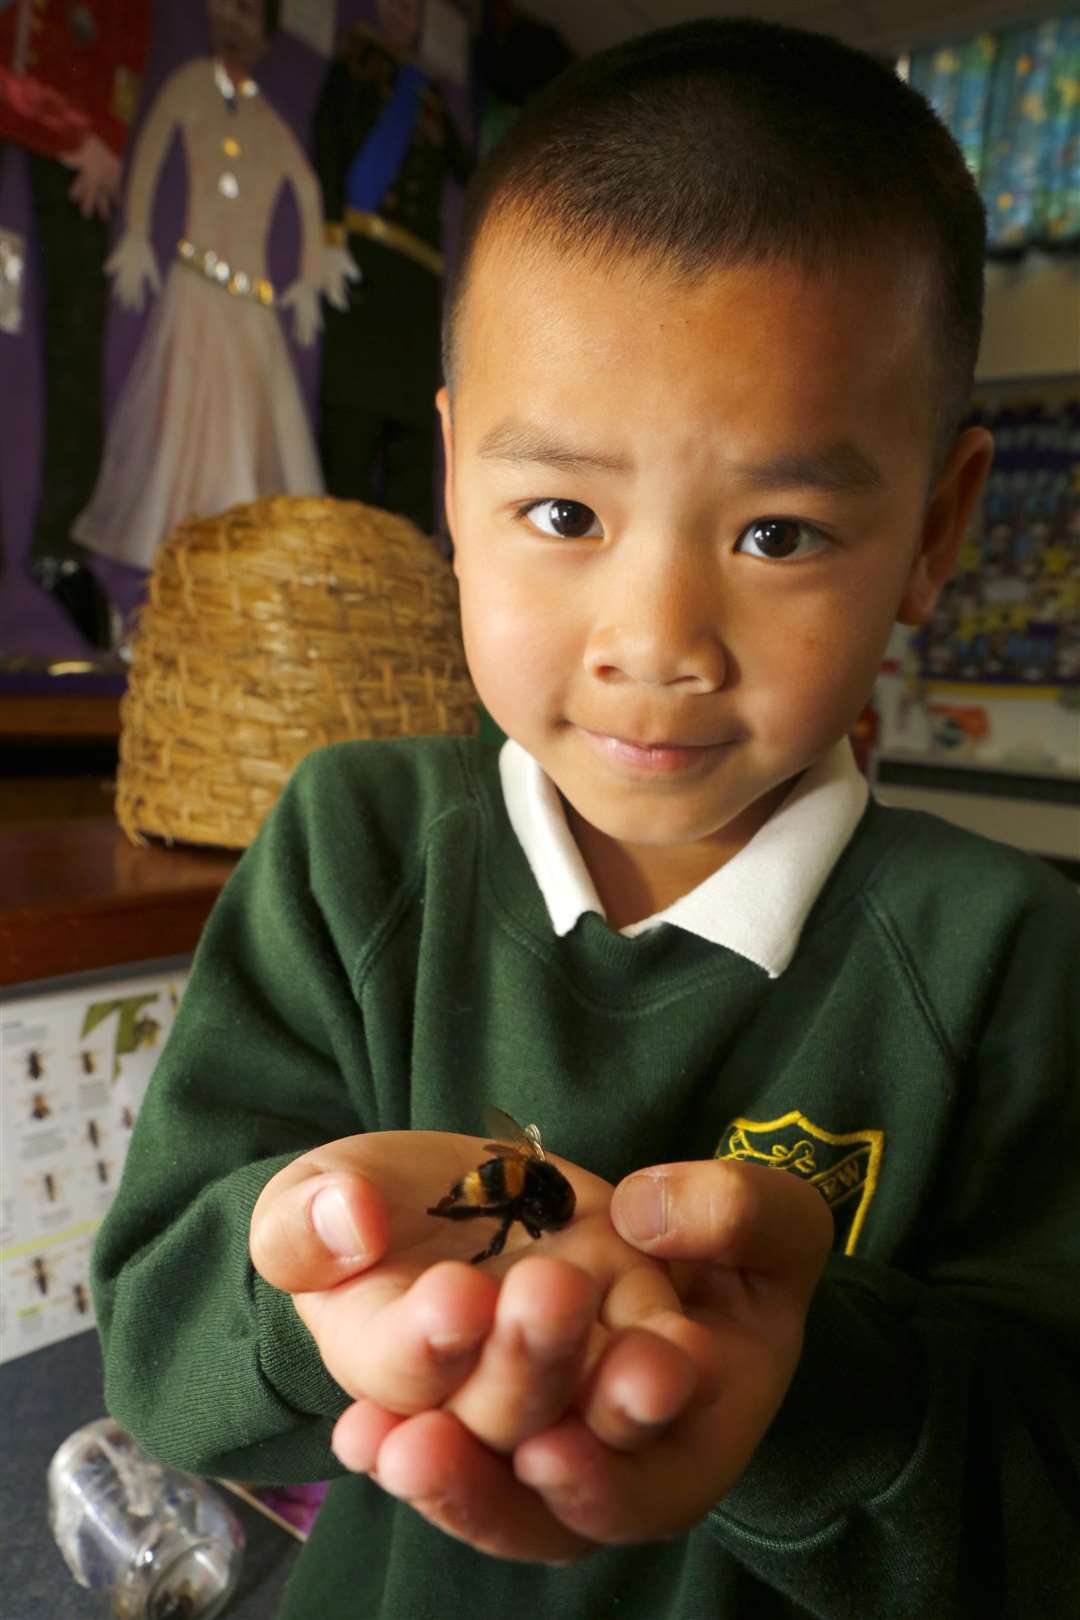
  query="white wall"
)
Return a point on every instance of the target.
[{"x": 1032, "y": 320}]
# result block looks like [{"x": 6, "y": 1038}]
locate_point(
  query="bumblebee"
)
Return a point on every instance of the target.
[{"x": 518, "y": 1184}]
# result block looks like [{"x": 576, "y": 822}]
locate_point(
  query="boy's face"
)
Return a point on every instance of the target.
[{"x": 674, "y": 638}]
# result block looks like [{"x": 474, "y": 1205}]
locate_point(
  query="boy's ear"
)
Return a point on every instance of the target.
[
  {"x": 945, "y": 523},
  {"x": 442, "y": 405}
]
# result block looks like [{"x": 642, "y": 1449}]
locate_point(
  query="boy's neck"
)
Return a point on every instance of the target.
[{"x": 634, "y": 881}]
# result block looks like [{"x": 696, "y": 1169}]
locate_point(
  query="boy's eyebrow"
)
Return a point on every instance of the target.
[
  {"x": 513, "y": 440},
  {"x": 841, "y": 468}
]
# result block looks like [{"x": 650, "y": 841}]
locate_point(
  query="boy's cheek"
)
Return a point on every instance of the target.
[
  {"x": 516, "y": 657},
  {"x": 807, "y": 688}
]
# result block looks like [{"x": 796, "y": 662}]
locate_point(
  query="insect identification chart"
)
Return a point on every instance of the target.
[{"x": 74, "y": 1064}]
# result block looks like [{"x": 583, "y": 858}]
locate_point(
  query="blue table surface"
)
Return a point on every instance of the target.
[{"x": 44, "y": 1396}]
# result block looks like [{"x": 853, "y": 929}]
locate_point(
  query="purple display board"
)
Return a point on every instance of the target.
[{"x": 290, "y": 75}]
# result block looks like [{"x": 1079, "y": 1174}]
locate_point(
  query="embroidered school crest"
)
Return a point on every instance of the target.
[{"x": 843, "y": 1167}]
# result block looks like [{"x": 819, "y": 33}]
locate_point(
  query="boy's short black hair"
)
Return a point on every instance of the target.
[{"x": 731, "y": 142}]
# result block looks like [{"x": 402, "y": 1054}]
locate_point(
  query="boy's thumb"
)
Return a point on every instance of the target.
[
  {"x": 745, "y": 1216},
  {"x": 311, "y": 1233}
]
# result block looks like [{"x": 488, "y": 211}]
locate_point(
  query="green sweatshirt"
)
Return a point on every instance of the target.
[{"x": 382, "y": 959}]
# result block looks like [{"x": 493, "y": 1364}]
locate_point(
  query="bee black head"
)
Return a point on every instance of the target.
[{"x": 549, "y": 1197}]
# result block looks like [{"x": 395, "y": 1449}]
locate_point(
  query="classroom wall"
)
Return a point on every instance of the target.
[{"x": 1032, "y": 319}]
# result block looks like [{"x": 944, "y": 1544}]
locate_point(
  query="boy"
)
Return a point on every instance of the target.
[{"x": 710, "y": 342}]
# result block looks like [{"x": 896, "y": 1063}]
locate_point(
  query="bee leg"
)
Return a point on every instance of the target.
[
  {"x": 460, "y": 1212},
  {"x": 496, "y": 1245}
]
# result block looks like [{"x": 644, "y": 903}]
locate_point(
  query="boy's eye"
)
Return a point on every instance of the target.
[
  {"x": 779, "y": 539},
  {"x": 774, "y": 539},
  {"x": 567, "y": 520}
]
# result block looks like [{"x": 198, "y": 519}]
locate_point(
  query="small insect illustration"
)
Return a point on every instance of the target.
[
  {"x": 518, "y": 1184},
  {"x": 146, "y": 1031},
  {"x": 35, "y": 1065}
]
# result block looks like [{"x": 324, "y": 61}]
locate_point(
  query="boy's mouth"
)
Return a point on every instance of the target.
[{"x": 662, "y": 755}]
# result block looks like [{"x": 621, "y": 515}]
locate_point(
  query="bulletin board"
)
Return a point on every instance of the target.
[{"x": 993, "y": 680}]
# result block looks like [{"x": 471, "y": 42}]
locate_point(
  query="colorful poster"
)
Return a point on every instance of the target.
[
  {"x": 1010, "y": 614},
  {"x": 75, "y": 1064}
]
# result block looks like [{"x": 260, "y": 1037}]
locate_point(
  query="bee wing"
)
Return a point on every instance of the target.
[
  {"x": 522, "y": 1141},
  {"x": 532, "y": 1132}
]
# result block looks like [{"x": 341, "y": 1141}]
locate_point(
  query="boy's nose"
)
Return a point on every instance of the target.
[{"x": 653, "y": 647}]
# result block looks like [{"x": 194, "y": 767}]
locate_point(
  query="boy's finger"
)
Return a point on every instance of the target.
[
  {"x": 312, "y": 1233},
  {"x": 406, "y": 1344},
  {"x": 531, "y": 1365},
  {"x": 644, "y": 1297},
  {"x": 641, "y": 1385},
  {"x": 743, "y": 1216},
  {"x": 457, "y": 1484},
  {"x": 358, "y": 1434},
  {"x": 617, "y": 1499}
]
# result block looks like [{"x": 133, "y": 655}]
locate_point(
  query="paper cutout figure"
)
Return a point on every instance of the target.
[
  {"x": 69, "y": 82},
  {"x": 211, "y": 413}
]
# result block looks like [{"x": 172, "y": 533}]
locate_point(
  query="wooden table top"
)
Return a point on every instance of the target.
[
  {"x": 67, "y": 717},
  {"x": 76, "y": 895}
]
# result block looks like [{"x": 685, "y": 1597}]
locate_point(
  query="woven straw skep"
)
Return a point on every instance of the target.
[{"x": 270, "y": 630}]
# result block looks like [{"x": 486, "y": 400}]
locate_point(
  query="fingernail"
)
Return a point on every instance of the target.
[
  {"x": 331, "y": 1219},
  {"x": 643, "y": 1207},
  {"x": 545, "y": 1474},
  {"x": 451, "y": 1347},
  {"x": 549, "y": 1341}
]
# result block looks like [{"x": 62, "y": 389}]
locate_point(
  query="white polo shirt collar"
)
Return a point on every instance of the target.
[{"x": 755, "y": 905}]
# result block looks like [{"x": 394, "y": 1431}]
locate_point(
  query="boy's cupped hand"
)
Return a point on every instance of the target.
[{"x": 572, "y": 1392}]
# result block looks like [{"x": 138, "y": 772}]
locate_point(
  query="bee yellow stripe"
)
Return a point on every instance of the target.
[{"x": 472, "y": 1189}]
